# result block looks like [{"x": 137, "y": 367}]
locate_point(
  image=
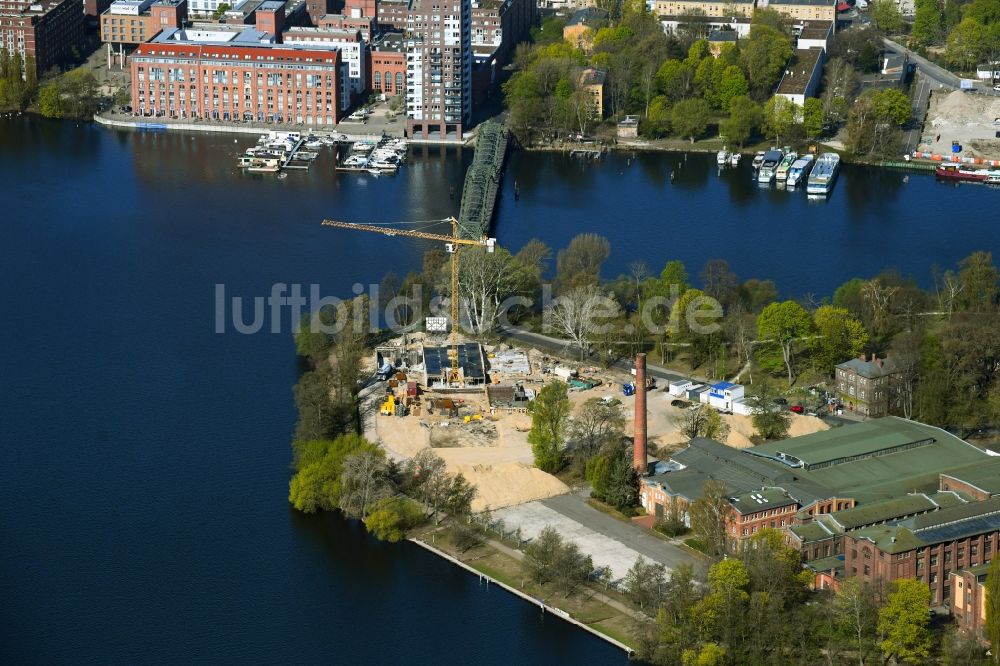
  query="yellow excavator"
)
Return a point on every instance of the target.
[{"x": 389, "y": 406}]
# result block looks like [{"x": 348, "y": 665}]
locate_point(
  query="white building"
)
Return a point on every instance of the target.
[
  {"x": 354, "y": 67},
  {"x": 438, "y": 68},
  {"x": 723, "y": 394}
]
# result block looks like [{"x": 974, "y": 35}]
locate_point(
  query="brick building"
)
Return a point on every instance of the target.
[
  {"x": 236, "y": 76},
  {"x": 968, "y": 601},
  {"x": 392, "y": 14},
  {"x": 136, "y": 21},
  {"x": 387, "y": 73},
  {"x": 353, "y": 56},
  {"x": 46, "y": 31},
  {"x": 439, "y": 69},
  {"x": 864, "y": 385},
  {"x": 809, "y": 10}
]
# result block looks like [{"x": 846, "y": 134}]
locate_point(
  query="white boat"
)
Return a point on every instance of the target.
[
  {"x": 799, "y": 170},
  {"x": 781, "y": 173},
  {"x": 824, "y": 174},
  {"x": 375, "y": 172},
  {"x": 769, "y": 166},
  {"x": 306, "y": 155},
  {"x": 758, "y": 159},
  {"x": 359, "y": 161},
  {"x": 314, "y": 144},
  {"x": 722, "y": 157},
  {"x": 734, "y": 159}
]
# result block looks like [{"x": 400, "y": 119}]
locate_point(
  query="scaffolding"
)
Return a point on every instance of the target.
[{"x": 482, "y": 181}]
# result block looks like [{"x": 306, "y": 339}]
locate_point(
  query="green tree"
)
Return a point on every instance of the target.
[
  {"x": 926, "y": 23},
  {"x": 855, "y": 612},
  {"x": 784, "y": 324},
  {"x": 966, "y": 44},
  {"x": 319, "y": 465},
  {"x": 657, "y": 121},
  {"x": 708, "y": 77},
  {"x": 50, "y": 100},
  {"x": 579, "y": 265},
  {"x": 887, "y": 16},
  {"x": 764, "y": 55},
  {"x": 769, "y": 419},
  {"x": 708, "y": 518},
  {"x": 903, "y": 622},
  {"x": 732, "y": 85},
  {"x": 710, "y": 654},
  {"x": 780, "y": 113},
  {"x": 689, "y": 118},
  {"x": 599, "y": 475},
  {"x": 812, "y": 117},
  {"x": 675, "y": 79},
  {"x": 744, "y": 118},
  {"x": 220, "y": 10},
  {"x": 598, "y": 425},
  {"x": 392, "y": 517},
  {"x": 980, "y": 282},
  {"x": 705, "y": 421},
  {"x": 550, "y": 413},
  {"x": 623, "y": 481},
  {"x": 839, "y": 337},
  {"x": 645, "y": 584},
  {"x": 993, "y": 607}
]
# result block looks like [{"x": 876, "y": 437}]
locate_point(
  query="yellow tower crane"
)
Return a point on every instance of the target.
[{"x": 451, "y": 244}]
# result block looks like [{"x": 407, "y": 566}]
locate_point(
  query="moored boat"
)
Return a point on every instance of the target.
[
  {"x": 758, "y": 159},
  {"x": 722, "y": 157},
  {"x": 962, "y": 172},
  {"x": 799, "y": 171},
  {"x": 769, "y": 167},
  {"x": 824, "y": 174},
  {"x": 781, "y": 173},
  {"x": 734, "y": 159}
]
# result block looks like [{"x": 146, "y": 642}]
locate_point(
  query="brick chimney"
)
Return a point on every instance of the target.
[{"x": 639, "y": 445}]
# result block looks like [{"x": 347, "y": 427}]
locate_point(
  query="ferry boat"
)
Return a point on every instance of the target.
[
  {"x": 799, "y": 170},
  {"x": 962, "y": 172},
  {"x": 769, "y": 167},
  {"x": 781, "y": 174},
  {"x": 758, "y": 159},
  {"x": 824, "y": 174},
  {"x": 722, "y": 157}
]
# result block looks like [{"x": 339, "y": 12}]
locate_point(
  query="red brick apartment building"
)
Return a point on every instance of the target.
[
  {"x": 46, "y": 30},
  {"x": 245, "y": 80}
]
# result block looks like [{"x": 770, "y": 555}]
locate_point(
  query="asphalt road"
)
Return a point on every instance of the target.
[{"x": 942, "y": 77}]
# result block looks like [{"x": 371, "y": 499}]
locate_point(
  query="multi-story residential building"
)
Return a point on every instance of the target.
[
  {"x": 230, "y": 75},
  {"x": 498, "y": 26},
  {"x": 710, "y": 8},
  {"x": 388, "y": 65},
  {"x": 136, "y": 21},
  {"x": 864, "y": 385},
  {"x": 46, "y": 31},
  {"x": 439, "y": 69},
  {"x": 206, "y": 8},
  {"x": 809, "y": 10},
  {"x": 353, "y": 56},
  {"x": 392, "y": 14},
  {"x": 363, "y": 24},
  {"x": 593, "y": 82}
]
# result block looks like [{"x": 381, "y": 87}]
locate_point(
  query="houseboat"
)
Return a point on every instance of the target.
[
  {"x": 769, "y": 167},
  {"x": 823, "y": 174},
  {"x": 799, "y": 171}
]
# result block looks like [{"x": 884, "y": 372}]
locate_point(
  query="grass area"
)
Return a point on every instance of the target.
[
  {"x": 694, "y": 544},
  {"x": 581, "y": 605},
  {"x": 608, "y": 509}
]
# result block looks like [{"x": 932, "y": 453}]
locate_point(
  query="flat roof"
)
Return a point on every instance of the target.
[
  {"x": 470, "y": 359},
  {"x": 984, "y": 476},
  {"x": 800, "y": 72},
  {"x": 817, "y": 3},
  {"x": 759, "y": 500}
]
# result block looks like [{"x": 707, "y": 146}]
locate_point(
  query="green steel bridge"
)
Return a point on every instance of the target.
[{"x": 482, "y": 181}]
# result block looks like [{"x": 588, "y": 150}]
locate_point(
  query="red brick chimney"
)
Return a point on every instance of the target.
[{"x": 639, "y": 446}]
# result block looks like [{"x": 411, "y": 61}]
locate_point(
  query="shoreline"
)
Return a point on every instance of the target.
[{"x": 561, "y": 614}]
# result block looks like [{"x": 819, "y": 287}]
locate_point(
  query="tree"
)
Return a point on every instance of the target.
[
  {"x": 992, "y": 590},
  {"x": 598, "y": 425},
  {"x": 705, "y": 421},
  {"x": 535, "y": 255},
  {"x": 50, "y": 101},
  {"x": 549, "y": 559},
  {"x": 769, "y": 419},
  {"x": 855, "y": 611},
  {"x": 839, "y": 336},
  {"x": 392, "y": 517},
  {"x": 220, "y": 10},
  {"x": 764, "y": 55},
  {"x": 755, "y": 294},
  {"x": 732, "y": 85},
  {"x": 812, "y": 117},
  {"x": 623, "y": 481},
  {"x": 840, "y": 82},
  {"x": 784, "y": 324},
  {"x": 903, "y": 620},
  {"x": 317, "y": 483},
  {"x": 979, "y": 280},
  {"x": 549, "y": 420},
  {"x": 966, "y": 44},
  {"x": 365, "y": 481},
  {"x": 926, "y": 23},
  {"x": 579, "y": 265},
  {"x": 708, "y": 518},
  {"x": 744, "y": 118},
  {"x": 689, "y": 118},
  {"x": 580, "y": 314},
  {"x": 485, "y": 280},
  {"x": 598, "y": 473},
  {"x": 645, "y": 584},
  {"x": 886, "y": 15},
  {"x": 780, "y": 113}
]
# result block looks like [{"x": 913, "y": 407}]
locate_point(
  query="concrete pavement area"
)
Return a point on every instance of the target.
[{"x": 610, "y": 542}]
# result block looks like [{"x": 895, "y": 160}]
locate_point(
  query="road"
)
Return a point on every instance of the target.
[
  {"x": 937, "y": 75},
  {"x": 918, "y": 111}
]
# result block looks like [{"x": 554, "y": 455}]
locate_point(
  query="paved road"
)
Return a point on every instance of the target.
[
  {"x": 918, "y": 111},
  {"x": 938, "y": 75}
]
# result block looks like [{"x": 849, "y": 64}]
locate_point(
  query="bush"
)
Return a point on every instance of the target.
[
  {"x": 392, "y": 517},
  {"x": 466, "y": 537}
]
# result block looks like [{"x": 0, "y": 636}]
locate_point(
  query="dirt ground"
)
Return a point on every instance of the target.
[{"x": 964, "y": 117}]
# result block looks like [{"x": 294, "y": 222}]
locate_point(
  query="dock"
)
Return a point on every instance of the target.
[{"x": 586, "y": 154}]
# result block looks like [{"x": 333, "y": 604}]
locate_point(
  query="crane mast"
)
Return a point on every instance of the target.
[{"x": 451, "y": 246}]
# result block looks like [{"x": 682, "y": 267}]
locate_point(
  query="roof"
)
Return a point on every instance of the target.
[
  {"x": 984, "y": 476},
  {"x": 722, "y": 386},
  {"x": 722, "y": 36},
  {"x": 887, "y": 510},
  {"x": 948, "y": 524},
  {"x": 391, "y": 41},
  {"x": 470, "y": 359},
  {"x": 800, "y": 72},
  {"x": 825, "y": 564},
  {"x": 817, "y": 3},
  {"x": 765, "y": 498},
  {"x": 870, "y": 369},
  {"x": 811, "y": 531},
  {"x": 593, "y": 77},
  {"x": 587, "y": 15},
  {"x": 889, "y": 539}
]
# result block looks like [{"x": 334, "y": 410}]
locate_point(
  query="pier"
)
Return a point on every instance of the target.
[{"x": 482, "y": 181}]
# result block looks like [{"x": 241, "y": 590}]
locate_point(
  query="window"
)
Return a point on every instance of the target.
[{"x": 867, "y": 570}]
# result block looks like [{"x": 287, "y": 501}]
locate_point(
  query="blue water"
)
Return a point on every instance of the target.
[{"x": 143, "y": 495}]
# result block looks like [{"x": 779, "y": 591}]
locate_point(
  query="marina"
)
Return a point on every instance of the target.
[{"x": 377, "y": 157}]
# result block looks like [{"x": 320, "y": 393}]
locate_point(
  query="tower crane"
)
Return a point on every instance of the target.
[{"x": 451, "y": 245}]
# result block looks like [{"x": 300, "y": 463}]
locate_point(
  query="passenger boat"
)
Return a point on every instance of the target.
[
  {"x": 314, "y": 143},
  {"x": 722, "y": 157},
  {"x": 781, "y": 174},
  {"x": 962, "y": 172},
  {"x": 824, "y": 174},
  {"x": 769, "y": 167},
  {"x": 799, "y": 171}
]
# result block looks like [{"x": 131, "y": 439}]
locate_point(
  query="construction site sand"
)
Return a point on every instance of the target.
[{"x": 963, "y": 117}]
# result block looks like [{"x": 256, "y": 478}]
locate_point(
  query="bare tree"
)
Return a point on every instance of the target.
[
  {"x": 948, "y": 288},
  {"x": 878, "y": 300},
  {"x": 581, "y": 314},
  {"x": 486, "y": 279},
  {"x": 365, "y": 481}
]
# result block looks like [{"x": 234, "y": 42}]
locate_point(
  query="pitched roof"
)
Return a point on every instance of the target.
[
  {"x": 955, "y": 522},
  {"x": 984, "y": 476},
  {"x": 888, "y": 510},
  {"x": 811, "y": 531},
  {"x": 871, "y": 369},
  {"x": 587, "y": 15}
]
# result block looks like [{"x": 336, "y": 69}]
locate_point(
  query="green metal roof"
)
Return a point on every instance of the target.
[
  {"x": 824, "y": 564},
  {"x": 983, "y": 475},
  {"x": 759, "y": 500},
  {"x": 949, "y": 524},
  {"x": 886, "y": 510},
  {"x": 809, "y": 532},
  {"x": 890, "y": 539}
]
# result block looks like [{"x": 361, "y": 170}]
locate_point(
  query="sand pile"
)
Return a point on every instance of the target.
[
  {"x": 507, "y": 484},
  {"x": 961, "y": 108},
  {"x": 967, "y": 118}
]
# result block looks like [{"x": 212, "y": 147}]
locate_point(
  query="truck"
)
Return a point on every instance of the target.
[
  {"x": 564, "y": 372},
  {"x": 967, "y": 84}
]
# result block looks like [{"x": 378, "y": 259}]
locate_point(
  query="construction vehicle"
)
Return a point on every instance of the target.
[
  {"x": 628, "y": 388},
  {"x": 388, "y": 407},
  {"x": 451, "y": 244},
  {"x": 474, "y": 417}
]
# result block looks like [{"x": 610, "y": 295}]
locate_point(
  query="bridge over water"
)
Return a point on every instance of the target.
[{"x": 482, "y": 181}]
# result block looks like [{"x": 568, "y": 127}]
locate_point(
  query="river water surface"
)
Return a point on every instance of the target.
[{"x": 144, "y": 487}]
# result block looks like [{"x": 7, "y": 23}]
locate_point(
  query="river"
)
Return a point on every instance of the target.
[{"x": 146, "y": 456}]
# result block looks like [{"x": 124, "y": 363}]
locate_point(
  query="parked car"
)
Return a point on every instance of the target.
[
  {"x": 780, "y": 401},
  {"x": 798, "y": 409},
  {"x": 679, "y": 403},
  {"x": 997, "y": 87}
]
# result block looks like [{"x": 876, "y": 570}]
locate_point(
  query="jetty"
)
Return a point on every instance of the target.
[{"x": 482, "y": 181}]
